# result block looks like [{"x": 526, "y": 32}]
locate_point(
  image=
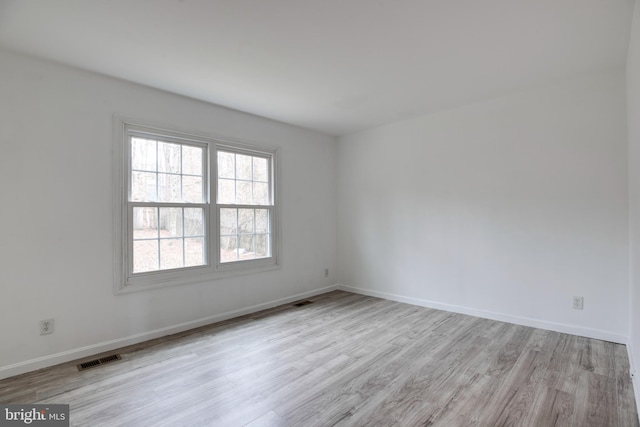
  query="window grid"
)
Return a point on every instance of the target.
[
  {"x": 162, "y": 211},
  {"x": 235, "y": 240},
  {"x": 236, "y": 180},
  {"x": 163, "y": 172},
  {"x": 255, "y": 234},
  {"x": 186, "y": 235}
]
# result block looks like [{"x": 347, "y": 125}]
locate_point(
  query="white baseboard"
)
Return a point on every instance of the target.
[
  {"x": 82, "y": 352},
  {"x": 634, "y": 375},
  {"x": 524, "y": 321}
]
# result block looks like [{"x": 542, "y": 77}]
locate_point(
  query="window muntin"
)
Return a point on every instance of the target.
[
  {"x": 245, "y": 205},
  {"x": 166, "y": 171},
  {"x": 167, "y": 213},
  {"x": 244, "y": 234},
  {"x": 168, "y": 237},
  {"x": 243, "y": 179}
]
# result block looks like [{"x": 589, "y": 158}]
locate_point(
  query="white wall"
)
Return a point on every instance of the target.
[
  {"x": 633, "y": 126},
  {"x": 56, "y": 215},
  {"x": 504, "y": 209}
]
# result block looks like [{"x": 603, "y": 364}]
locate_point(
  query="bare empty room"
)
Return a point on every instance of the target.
[{"x": 315, "y": 213}]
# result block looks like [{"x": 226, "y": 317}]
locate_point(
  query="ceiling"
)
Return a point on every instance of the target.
[{"x": 335, "y": 66}]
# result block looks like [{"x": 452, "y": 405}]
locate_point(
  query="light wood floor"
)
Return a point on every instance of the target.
[{"x": 347, "y": 360}]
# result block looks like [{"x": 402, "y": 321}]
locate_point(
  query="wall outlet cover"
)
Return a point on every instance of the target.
[
  {"x": 578, "y": 303},
  {"x": 46, "y": 327}
]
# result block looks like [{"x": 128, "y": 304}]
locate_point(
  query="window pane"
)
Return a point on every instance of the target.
[
  {"x": 228, "y": 249},
  {"x": 260, "y": 169},
  {"x": 173, "y": 176},
  {"x": 191, "y": 160},
  {"x": 249, "y": 185},
  {"x": 228, "y": 221},
  {"x": 145, "y": 223},
  {"x": 260, "y": 193},
  {"x": 169, "y": 158},
  {"x": 169, "y": 188},
  {"x": 171, "y": 253},
  {"x": 246, "y": 249},
  {"x": 226, "y": 191},
  {"x": 226, "y": 165},
  {"x": 193, "y": 222},
  {"x": 170, "y": 222},
  {"x": 243, "y": 192},
  {"x": 143, "y": 187},
  {"x": 245, "y": 220},
  {"x": 194, "y": 252},
  {"x": 192, "y": 189},
  {"x": 143, "y": 154},
  {"x": 145, "y": 255},
  {"x": 262, "y": 246},
  {"x": 244, "y": 168},
  {"x": 262, "y": 221}
]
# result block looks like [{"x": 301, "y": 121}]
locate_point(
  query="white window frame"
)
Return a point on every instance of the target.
[{"x": 127, "y": 281}]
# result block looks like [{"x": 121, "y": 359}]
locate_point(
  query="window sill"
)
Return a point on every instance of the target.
[{"x": 151, "y": 282}]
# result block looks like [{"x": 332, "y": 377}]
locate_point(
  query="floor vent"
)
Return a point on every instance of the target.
[
  {"x": 98, "y": 362},
  {"x": 301, "y": 303}
]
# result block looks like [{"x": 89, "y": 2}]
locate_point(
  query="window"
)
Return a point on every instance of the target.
[
  {"x": 166, "y": 204},
  {"x": 192, "y": 207},
  {"x": 244, "y": 205}
]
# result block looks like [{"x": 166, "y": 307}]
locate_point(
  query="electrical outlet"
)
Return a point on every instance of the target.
[
  {"x": 326, "y": 272},
  {"x": 46, "y": 327},
  {"x": 578, "y": 303}
]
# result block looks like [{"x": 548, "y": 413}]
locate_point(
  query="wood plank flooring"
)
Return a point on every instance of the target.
[{"x": 347, "y": 360}]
